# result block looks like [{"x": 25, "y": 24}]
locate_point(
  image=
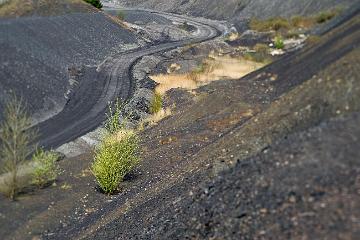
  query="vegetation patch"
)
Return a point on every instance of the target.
[
  {"x": 156, "y": 104},
  {"x": 115, "y": 158},
  {"x": 17, "y": 166},
  {"x": 279, "y": 42},
  {"x": 213, "y": 68},
  {"x": 117, "y": 154},
  {"x": 46, "y": 168},
  {"x": 15, "y": 143},
  {"x": 280, "y": 24},
  {"x": 112, "y": 123}
]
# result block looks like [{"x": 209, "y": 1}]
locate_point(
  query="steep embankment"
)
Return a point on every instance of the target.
[
  {"x": 290, "y": 129},
  {"x": 42, "y": 57},
  {"x": 235, "y": 9}
]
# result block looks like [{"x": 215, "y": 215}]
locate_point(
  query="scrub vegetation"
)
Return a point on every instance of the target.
[
  {"x": 15, "y": 143},
  {"x": 16, "y": 146},
  {"x": 280, "y": 24},
  {"x": 156, "y": 104},
  {"x": 279, "y": 42},
  {"x": 117, "y": 154},
  {"x": 46, "y": 168},
  {"x": 112, "y": 123}
]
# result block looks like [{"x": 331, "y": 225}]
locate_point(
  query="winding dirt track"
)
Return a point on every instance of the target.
[{"x": 86, "y": 109}]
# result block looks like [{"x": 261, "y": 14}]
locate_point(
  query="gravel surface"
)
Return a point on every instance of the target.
[
  {"x": 306, "y": 186},
  {"x": 37, "y": 53}
]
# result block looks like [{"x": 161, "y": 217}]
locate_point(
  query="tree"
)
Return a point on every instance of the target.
[
  {"x": 15, "y": 142},
  {"x": 95, "y": 3}
]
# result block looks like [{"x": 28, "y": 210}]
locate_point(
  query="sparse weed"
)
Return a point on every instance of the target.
[
  {"x": 112, "y": 123},
  {"x": 287, "y": 26},
  {"x": 46, "y": 168},
  {"x": 279, "y": 42},
  {"x": 156, "y": 104},
  {"x": 326, "y": 15}
]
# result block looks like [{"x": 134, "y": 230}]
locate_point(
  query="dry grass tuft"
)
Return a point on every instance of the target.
[{"x": 211, "y": 69}]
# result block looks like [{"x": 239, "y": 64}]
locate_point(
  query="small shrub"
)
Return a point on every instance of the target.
[
  {"x": 325, "y": 16},
  {"x": 112, "y": 123},
  {"x": 114, "y": 159},
  {"x": 156, "y": 104},
  {"x": 15, "y": 142},
  {"x": 46, "y": 168},
  {"x": 279, "y": 42},
  {"x": 95, "y": 3}
]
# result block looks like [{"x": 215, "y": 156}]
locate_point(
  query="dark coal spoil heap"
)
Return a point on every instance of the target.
[{"x": 37, "y": 52}]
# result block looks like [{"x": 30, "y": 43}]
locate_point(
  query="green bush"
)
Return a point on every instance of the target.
[
  {"x": 279, "y": 43},
  {"x": 15, "y": 143},
  {"x": 156, "y": 103},
  {"x": 95, "y": 3},
  {"x": 115, "y": 158},
  {"x": 46, "y": 168}
]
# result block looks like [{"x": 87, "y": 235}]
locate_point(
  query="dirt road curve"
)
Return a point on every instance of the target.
[{"x": 86, "y": 109}]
